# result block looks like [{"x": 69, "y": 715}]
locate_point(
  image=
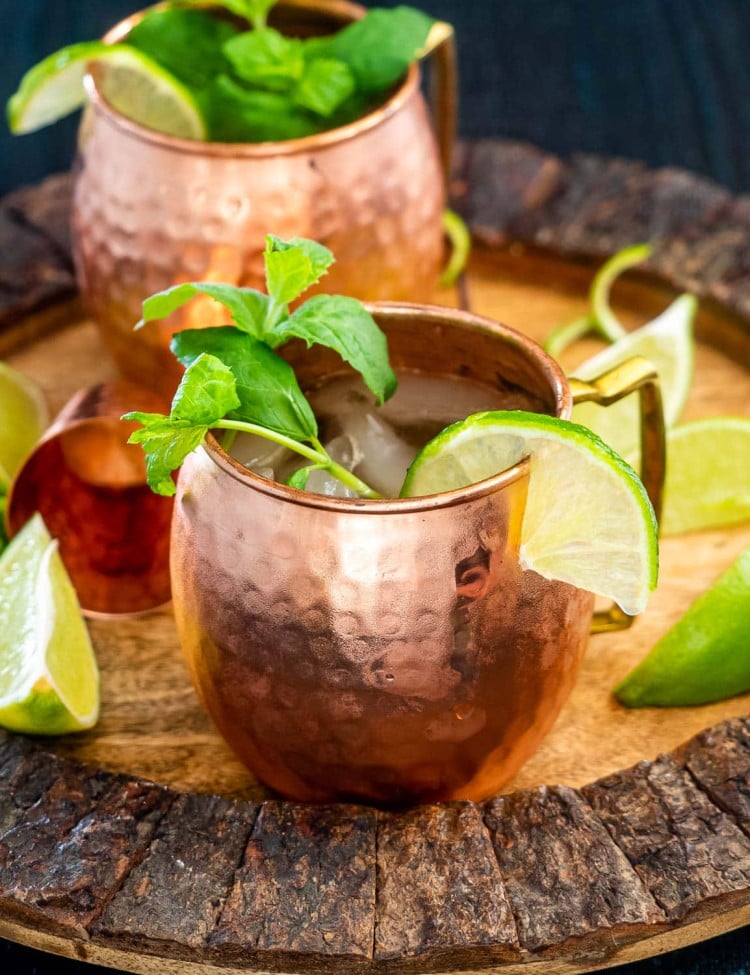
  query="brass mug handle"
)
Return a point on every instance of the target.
[
  {"x": 636, "y": 374},
  {"x": 441, "y": 45}
]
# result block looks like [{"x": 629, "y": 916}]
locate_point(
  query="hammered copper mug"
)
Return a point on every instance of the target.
[
  {"x": 90, "y": 487},
  {"x": 151, "y": 210},
  {"x": 392, "y": 651}
]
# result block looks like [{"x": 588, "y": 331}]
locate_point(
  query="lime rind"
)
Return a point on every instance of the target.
[
  {"x": 673, "y": 332},
  {"x": 150, "y": 95},
  {"x": 667, "y": 342},
  {"x": 602, "y": 314},
  {"x": 703, "y": 657},
  {"x": 48, "y": 674},
  {"x": 53, "y": 88},
  {"x": 588, "y": 519},
  {"x": 23, "y": 417},
  {"x": 708, "y": 475},
  {"x": 59, "y": 627}
]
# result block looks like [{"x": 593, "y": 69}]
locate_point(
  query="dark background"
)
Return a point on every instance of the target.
[{"x": 667, "y": 81}]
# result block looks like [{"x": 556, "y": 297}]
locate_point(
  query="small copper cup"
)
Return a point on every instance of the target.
[
  {"x": 90, "y": 487},
  {"x": 392, "y": 651},
  {"x": 151, "y": 210}
]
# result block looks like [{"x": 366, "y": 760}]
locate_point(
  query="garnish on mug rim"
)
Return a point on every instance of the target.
[
  {"x": 235, "y": 380},
  {"x": 229, "y": 84}
]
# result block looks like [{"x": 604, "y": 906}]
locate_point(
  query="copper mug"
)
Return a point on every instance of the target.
[
  {"x": 90, "y": 487},
  {"x": 151, "y": 210},
  {"x": 392, "y": 651}
]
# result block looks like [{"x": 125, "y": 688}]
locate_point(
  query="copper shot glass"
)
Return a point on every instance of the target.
[
  {"x": 90, "y": 487},
  {"x": 392, "y": 651},
  {"x": 151, "y": 210}
]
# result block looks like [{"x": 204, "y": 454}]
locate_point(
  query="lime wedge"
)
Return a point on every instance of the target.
[
  {"x": 49, "y": 683},
  {"x": 708, "y": 475},
  {"x": 23, "y": 417},
  {"x": 667, "y": 342},
  {"x": 588, "y": 520},
  {"x": 705, "y": 656},
  {"x": 131, "y": 81}
]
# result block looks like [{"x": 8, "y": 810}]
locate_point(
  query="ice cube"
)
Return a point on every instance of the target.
[
  {"x": 441, "y": 400},
  {"x": 257, "y": 453},
  {"x": 385, "y": 456},
  {"x": 344, "y": 452}
]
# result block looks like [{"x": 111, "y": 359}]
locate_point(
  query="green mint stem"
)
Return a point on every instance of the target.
[
  {"x": 317, "y": 456},
  {"x": 350, "y": 480},
  {"x": 273, "y": 314},
  {"x": 228, "y": 440}
]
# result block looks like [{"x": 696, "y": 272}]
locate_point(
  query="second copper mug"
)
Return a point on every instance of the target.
[
  {"x": 392, "y": 651},
  {"x": 151, "y": 210}
]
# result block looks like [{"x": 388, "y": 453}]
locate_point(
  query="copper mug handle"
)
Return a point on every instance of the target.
[
  {"x": 636, "y": 374},
  {"x": 441, "y": 47}
]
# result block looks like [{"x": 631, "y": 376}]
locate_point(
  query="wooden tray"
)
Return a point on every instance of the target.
[{"x": 203, "y": 872}]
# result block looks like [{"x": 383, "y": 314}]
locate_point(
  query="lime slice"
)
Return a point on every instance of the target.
[
  {"x": 667, "y": 342},
  {"x": 23, "y": 417},
  {"x": 705, "y": 656},
  {"x": 131, "y": 81},
  {"x": 588, "y": 520},
  {"x": 708, "y": 475},
  {"x": 49, "y": 683}
]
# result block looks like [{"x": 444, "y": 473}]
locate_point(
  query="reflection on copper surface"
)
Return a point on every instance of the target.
[
  {"x": 389, "y": 651},
  {"x": 90, "y": 487}
]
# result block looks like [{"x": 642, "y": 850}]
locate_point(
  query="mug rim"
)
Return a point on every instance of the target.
[
  {"x": 436, "y": 314},
  {"x": 406, "y": 90}
]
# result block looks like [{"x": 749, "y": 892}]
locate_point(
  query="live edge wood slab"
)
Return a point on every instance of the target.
[{"x": 115, "y": 869}]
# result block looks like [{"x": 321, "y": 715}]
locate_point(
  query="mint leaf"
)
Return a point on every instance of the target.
[
  {"x": 300, "y": 477},
  {"x": 344, "y": 325},
  {"x": 234, "y": 113},
  {"x": 325, "y": 85},
  {"x": 188, "y": 43},
  {"x": 206, "y": 393},
  {"x": 380, "y": 47},
  {"x": 268, "y": 391},
  {"x": 256, "y": 11},
  {"x": 166, "y": 442},
  {"x": 266, "y": 58},
  {"x": 248, "y": 308},
  {"x": 292, "y": 266}
]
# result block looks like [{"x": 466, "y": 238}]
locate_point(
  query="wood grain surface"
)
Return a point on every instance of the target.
[{"x": 616, "y": 841}]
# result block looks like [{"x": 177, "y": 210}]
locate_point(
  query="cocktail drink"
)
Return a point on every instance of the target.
[
  {"x": 352, "y": 636},
  {"x": 153, "y": 208},
  {"x": 392, "y": 651}
]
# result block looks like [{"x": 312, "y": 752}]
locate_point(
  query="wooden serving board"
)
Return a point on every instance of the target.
[{"x": 578, "y": 866}]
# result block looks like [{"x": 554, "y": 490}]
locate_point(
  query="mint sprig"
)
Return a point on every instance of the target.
[
  {"x": 267, "y": 389},
  {"x": 236, "y": 381},
  {"x": 264, "y": 86},
  {"x": 206, "y": 392},
  {"x": 292, "y": 266}
]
